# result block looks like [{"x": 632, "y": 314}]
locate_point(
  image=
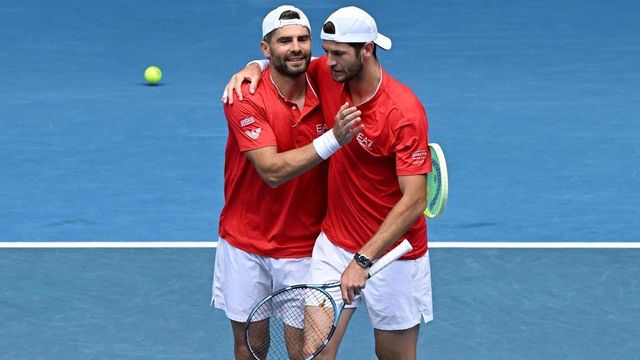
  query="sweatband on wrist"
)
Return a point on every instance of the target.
[
  {"x": 262, "y": 63},
  {"x": 326, "y": 144}
]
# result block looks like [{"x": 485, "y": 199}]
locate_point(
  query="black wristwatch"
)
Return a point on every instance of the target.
[{"x": 362, "y": 260}]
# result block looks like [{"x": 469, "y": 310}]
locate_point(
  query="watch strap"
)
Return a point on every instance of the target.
[{"x": 362, "y": 260}]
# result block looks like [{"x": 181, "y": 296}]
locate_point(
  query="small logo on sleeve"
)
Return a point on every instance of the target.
[
  {"x": 254, "y": 134},
  {"x": 247, "y": 121},
  {"x": 419, "y": 157}
]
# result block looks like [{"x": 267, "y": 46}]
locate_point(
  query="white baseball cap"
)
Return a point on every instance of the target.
[
  {"x": 354, "y": 25},
  {"x": 272, "y": 20}
]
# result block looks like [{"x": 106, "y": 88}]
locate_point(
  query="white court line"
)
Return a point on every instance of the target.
[
  {"x": 108, "y": 244},
  {"x": 535, "y": 245},
  {"x": 214, "y": 244}
]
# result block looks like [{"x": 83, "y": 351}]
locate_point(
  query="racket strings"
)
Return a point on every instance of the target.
[{"x": 293, "y": 324}]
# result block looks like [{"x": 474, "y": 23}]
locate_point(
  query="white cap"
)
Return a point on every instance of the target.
[
  {"x": 272, "y": 20},
  {"x": 354, "y": 25}
]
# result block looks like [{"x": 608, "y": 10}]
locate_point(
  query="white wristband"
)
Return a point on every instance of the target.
[
  {"x": 262, "y": 63},
  {"x": 326, "y": 144}
]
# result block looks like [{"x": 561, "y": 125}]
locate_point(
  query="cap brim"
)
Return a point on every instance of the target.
[{"x": 383, "y": 41}]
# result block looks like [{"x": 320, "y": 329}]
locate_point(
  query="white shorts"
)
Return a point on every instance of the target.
[
  {"x": 242, "y": 279},
  {"x": 397, "y": 298}
]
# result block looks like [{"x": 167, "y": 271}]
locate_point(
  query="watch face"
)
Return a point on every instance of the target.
[{"x": 362, "y": 261}]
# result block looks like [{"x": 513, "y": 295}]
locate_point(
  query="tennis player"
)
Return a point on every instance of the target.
[
  {"x": 377, "y": 187},
  {"x": 275, "y": 178}
]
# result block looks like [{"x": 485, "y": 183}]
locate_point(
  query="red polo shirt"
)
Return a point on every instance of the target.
[
  {"x": 363, "y": 175},
  {"x": 282, "y": 222}
]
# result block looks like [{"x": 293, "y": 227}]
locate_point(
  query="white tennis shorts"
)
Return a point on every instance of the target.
[
  {"x": 396, "y": 298},
  {"x": 242, "y": 279}
]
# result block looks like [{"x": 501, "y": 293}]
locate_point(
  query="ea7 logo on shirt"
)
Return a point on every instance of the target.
[
  {"x": 364, "y": 140},
  {"x": 247, "y": 121},
  {"x": 254, "y": 134},
  {"x": 321, "y": 128},
  {"x": 418, "y": 157}
]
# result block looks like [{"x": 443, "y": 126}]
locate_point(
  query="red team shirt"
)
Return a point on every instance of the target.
[
  {"x": 282, "y": 222},
  {"x": 363, "y": 175}
]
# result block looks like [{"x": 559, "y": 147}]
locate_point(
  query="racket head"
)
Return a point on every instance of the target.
[
  {"x": 295, "y": 322},
  {"x": 437, "y": 183}
]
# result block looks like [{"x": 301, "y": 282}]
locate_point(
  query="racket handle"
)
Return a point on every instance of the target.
[{"x": 390, "y": 257}]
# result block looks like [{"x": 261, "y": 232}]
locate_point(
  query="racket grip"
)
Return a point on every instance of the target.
[{"x": 390, "y": 257}]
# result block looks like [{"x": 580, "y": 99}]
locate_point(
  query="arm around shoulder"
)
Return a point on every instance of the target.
[{"x": 251, "y": 72}]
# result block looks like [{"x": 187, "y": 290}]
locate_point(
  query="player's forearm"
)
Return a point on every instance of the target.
[
  {"x": 400, "y": 218},
  {"x": 278, "y": 168},
  {"x": 282, "y": 167},
  {"x": 262, "y": 64}
]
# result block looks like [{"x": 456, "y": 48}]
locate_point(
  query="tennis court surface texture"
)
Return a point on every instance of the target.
[{"x": 110, "y": 190}]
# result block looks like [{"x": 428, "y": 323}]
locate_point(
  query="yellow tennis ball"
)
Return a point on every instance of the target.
[{"x": 153, "y": 75}]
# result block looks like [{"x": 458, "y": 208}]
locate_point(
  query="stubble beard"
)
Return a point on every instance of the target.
[
  {"x": 280, "y": 64},
  {"x": 348, "y": 73}
]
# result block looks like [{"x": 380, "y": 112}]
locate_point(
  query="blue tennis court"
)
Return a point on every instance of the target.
[{"x": 535, "y": 104}]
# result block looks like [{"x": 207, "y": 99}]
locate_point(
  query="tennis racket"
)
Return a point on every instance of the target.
[
  {"x": 437, "y": 183},
  {"x": 298, "y": 321}
]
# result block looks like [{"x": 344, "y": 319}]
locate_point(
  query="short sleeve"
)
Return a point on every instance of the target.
[
  {"x": 248, "y": 123},
  {"x": 411, "y": 143}
]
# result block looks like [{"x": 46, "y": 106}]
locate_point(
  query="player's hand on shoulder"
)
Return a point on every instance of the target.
[{"x": 250, "y": 73}]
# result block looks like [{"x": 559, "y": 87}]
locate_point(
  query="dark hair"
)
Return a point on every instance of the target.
[
  {"x": 286, "y": 15},
  {"x": 330, "y": 28}
]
